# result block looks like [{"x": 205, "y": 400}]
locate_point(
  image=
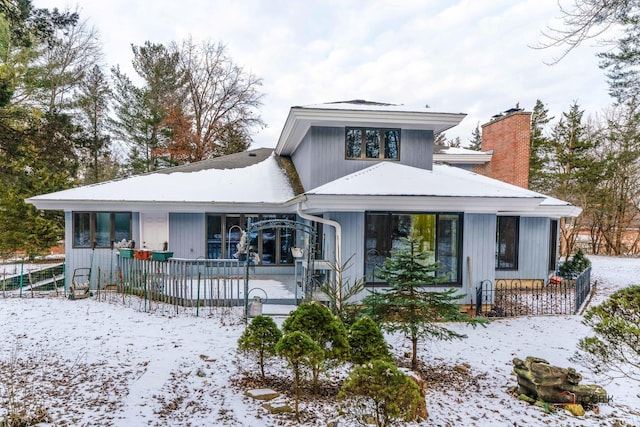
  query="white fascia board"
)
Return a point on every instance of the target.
[
  {"x": 317, "y": 203},
  {"x": 568, "y": 211},
  {"x": 301, "y": 119},
  {"x": 463, "y": 159},
  {"x": 177, "y": 207}
]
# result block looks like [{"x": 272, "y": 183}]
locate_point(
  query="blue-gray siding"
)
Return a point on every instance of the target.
[
  {"x": 320, "y": 158},
  {"x": 478, "y": 251},
  {"x": 187, "y": 235},
  {"x": 101, "y": 261},
  {"x": 533, "y": 251}
]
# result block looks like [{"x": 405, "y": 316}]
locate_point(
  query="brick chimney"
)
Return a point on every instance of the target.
[{"x": 508, "y": 135}]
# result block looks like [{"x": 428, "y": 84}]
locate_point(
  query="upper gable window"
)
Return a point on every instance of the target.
[{"x": 372, "y": 143}]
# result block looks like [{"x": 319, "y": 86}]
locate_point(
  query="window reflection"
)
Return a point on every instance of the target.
[
  {"x": 372, "y": 143},
  {"x": 439, "y": 236},
  {"x": 272, "y": 246}
]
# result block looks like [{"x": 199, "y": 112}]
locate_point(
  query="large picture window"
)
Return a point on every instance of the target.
[
  {"x": 100, "y": 228},
  {"x": 372, "y": 143},
  {"x": 440, "y": 235},
  {"x": 507, "y": 240},
  {"x": 273, "y": 246}
]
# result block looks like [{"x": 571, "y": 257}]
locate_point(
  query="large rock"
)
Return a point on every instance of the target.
[
  {"x": 421, "y": 411},
  {"x": 277, "y": 407},
  {"x": 541, "y": 381}
]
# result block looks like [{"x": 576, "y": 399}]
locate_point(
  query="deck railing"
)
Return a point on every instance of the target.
[{"x": 184, "y": 282}]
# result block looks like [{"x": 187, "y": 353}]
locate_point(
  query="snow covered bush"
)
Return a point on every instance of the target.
[
  {"x": 378, "y": 392},
  {"x": 367, "y": 343},
  {"x": 260, "y": 339},
  {"x": 324, "y": 328},
  {"x": 300, "y": 351}
]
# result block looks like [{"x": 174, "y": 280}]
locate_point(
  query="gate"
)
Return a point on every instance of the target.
[{"x": 253, "y": 228}]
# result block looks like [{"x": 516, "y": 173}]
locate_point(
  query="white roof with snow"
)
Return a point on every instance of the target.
[
  {"x": 389, "y": 185},
  {"x": 264, "y": 187},
  {"x": 263, "y": 183}
]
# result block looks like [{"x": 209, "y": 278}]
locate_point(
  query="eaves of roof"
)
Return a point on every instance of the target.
[
  {"x": 300, "y": 119},
  {"x": 478, "y": 158},
  {"x": 531, "y": 207}
]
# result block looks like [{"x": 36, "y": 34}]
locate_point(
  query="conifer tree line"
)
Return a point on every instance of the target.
[
  {"x": 68, "y": 119},
  {"x": 592, "y": 162}
]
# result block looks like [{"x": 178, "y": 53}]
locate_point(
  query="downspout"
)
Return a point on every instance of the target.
[{"x": 338, "y": 228}]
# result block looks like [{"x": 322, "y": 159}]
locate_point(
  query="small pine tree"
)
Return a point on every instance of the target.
[
  {"x": 300, "y": 351},
  {"x": 324, "y": 328},
  {"x": 379, "y": 388},
  {"x": 340, "y": 291},
  {"x": 575, "y": 265},
  {"x": 260, "y": 339},
  {"x": 367, "y": 343},
  {"x": 475, "y": 143},
  {"x": 615, "y": 348},
  {"x": 409, "y": 305}
]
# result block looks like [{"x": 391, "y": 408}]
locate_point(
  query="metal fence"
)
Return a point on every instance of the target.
[
  {"x": 34, "y": 279},
  {"x": 583, "y": 287},
  {"x": 508, "y": 298},
  {"x": 184, "y": 282}
]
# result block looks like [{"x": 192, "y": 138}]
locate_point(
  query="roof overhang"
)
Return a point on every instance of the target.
[
  {"x": 152, "y": 206},
  {"x": 529, "y": 207},
  {"x": 360, "y": 203},
  {"x": 479, "y": 158},
  {"x": 300, "y": 120}
]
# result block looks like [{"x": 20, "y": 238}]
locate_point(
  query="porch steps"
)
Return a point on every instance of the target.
[{"x": 277, "y": 310}]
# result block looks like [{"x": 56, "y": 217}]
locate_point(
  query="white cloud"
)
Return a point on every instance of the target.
[{"x": 457, "y": 56}]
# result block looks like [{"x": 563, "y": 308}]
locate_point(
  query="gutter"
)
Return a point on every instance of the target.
[{"x": 338, "y": 229}]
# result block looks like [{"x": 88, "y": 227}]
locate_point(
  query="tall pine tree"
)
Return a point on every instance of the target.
[
  {"x": 574, "y": 169},
  {"x": 93, "y": 104},
  {"x": 540, "y": 154},
  {"x": 409, "y": 304}
]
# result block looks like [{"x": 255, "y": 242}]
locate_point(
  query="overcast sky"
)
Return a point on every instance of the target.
[{"x": 466, "y": 56}]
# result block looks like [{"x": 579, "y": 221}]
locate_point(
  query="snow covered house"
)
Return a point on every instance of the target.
[{"x": 363, "y": 174}]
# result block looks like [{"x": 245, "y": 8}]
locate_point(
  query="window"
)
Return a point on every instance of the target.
[
  {"x": 371, "y": 143},
  {"x": 553, "y": 244},
  {"x": 273, "y": 246},
  {"x": 440, "y": 236},
  {"x": 100, "y": 228},
  {"x": 507, "y": 236}
]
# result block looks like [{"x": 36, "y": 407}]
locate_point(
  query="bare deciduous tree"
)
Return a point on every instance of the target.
[
  {"x": 222, "y": 100},
  {"x": 62, "y": 65},
  {"x": 583, "y": 20}
]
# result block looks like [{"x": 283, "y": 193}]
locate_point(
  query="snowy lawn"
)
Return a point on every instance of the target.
[{"x": 91, "y": 362}]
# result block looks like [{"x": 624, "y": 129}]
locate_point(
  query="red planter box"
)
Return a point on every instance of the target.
[{"x": 141, "y": 254}]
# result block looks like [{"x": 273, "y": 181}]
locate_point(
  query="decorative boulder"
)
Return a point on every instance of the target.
[
  {"x": 541, "y": 381},
  {"x": 421, "y": 411}
]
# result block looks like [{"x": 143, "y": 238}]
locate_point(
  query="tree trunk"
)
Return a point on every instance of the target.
[
  {"x": 414, "y": 358},
  {"x": 296, "y": 383}
]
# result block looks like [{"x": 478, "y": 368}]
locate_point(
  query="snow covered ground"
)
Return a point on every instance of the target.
[{"x": 102, "y": 362}]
